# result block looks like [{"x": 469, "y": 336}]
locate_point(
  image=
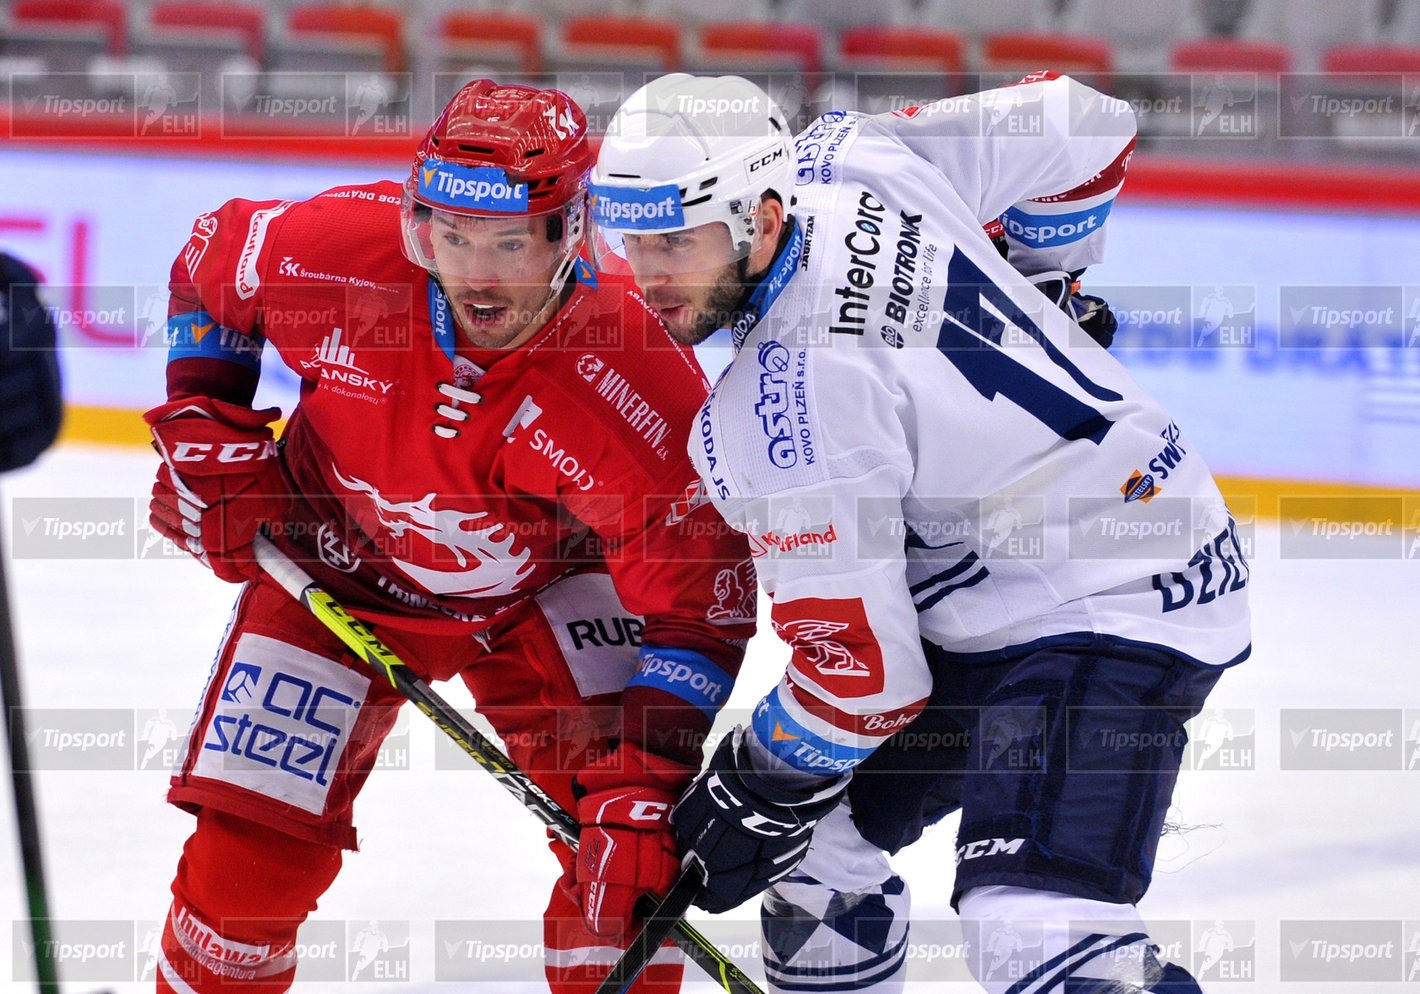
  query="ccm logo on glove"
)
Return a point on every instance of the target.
[
  {"x": 649, "y": 811},
  {"x": 229, "y": 452}
]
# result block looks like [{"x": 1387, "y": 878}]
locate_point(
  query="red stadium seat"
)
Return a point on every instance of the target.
[
  {"x": 622, "y": 42},
  {"x": 903, "y": 48},
  {"x": 1062, "y": 53},
  {"x": 105, "y": 16},
  {"x": 249, "y": 20},
  {"x": 483, "y": 33},
  {"x": 759, "y": 43},
  {"x": 1230, "y": 55},
  {"x": 1371, "y": 60},
  {"x": 380, "y": 25}
]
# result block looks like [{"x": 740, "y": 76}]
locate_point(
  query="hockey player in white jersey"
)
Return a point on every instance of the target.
[{"x": 895, "y": 380}]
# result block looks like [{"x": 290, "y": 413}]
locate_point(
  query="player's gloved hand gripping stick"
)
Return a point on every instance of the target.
[
  {"x": 365, "y": 644},
  {"x": 740, "y": 832}
]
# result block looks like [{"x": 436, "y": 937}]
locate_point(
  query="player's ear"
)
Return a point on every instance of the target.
[
  {"x": 769, "y": 225},
  {"x": 771, "y": 218}
]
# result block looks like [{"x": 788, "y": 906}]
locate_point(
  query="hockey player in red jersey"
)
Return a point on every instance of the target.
[{"x": 488, "y": 462}]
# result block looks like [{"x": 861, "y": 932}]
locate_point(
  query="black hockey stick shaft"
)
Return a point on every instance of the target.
[
  {"x": 365, "y": 644},
  {"x": 656, "y": 928},
  {"x": 26, "y": 811}
]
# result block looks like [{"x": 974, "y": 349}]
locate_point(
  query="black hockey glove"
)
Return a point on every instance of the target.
[
  {"x": 30, "y": 402},
  {"x": 747, "y": 831},
  {"x": 1092, "y": 314}
]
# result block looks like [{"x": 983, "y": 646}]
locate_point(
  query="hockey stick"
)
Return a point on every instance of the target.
[
  {"x": 657, "y": 927},
  {"x": 365, "y": 644},
  {"x": 26, "y": 813}
]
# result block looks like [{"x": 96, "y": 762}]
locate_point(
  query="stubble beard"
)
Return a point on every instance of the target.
[{"x": 722, "y": 302}]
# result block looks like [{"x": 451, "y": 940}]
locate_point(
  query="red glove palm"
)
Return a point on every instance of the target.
[
  {"x": 220, "y": 480},
  {"x": 627, "y": 845}
]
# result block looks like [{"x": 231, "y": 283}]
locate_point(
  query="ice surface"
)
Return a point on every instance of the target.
[{"x": 441, "y": 845}]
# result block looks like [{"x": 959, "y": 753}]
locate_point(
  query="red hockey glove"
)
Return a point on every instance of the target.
[
  {"x": 627, "y": 846},
  {"x": 220, "y": 480}
]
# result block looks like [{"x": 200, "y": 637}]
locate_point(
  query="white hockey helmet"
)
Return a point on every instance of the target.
[{"x": 685, "y": 151}]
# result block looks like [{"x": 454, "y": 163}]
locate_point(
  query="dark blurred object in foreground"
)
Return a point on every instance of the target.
[{"x": 30, "y": 403}]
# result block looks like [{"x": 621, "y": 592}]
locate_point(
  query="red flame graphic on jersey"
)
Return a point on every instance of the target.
[{"x": 484, "y": 566}]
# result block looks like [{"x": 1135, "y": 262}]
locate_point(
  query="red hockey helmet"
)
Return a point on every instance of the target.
[{"x": 501, "y": 150}]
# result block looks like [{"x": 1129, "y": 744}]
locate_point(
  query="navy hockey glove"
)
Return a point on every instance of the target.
[
  {"x": 1091, "y": 313},
  {"x": 747, "y": 831},
  {"x": 30, "y": 404}
]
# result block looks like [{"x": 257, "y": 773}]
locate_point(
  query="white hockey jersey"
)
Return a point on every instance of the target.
[{"x": 920, "y": 445}]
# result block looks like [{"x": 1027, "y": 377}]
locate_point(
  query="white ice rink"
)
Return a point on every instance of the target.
[{"x": 1265, "y": 844}]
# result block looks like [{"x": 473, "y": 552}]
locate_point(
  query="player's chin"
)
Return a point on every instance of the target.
[
  {"x": 489, "y": 334},
  {"x": 682, "y": 321}
]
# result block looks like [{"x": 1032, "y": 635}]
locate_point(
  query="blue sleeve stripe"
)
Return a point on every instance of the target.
[
  {"x": 796, "y": 745},
  {"x": 1049, "y": 230},
  {"x": 197, "y": 334},
  {"x": 686, "y": 674}
]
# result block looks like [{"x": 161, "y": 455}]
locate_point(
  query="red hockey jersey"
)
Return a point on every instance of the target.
[{"x": 575, "y": 452}]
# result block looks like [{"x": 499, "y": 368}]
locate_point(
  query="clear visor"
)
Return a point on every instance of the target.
[
  {"x": 514, "y": 249},
  {"x": 649, "y": 254},
  {"x": 510, "y": 248}
]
